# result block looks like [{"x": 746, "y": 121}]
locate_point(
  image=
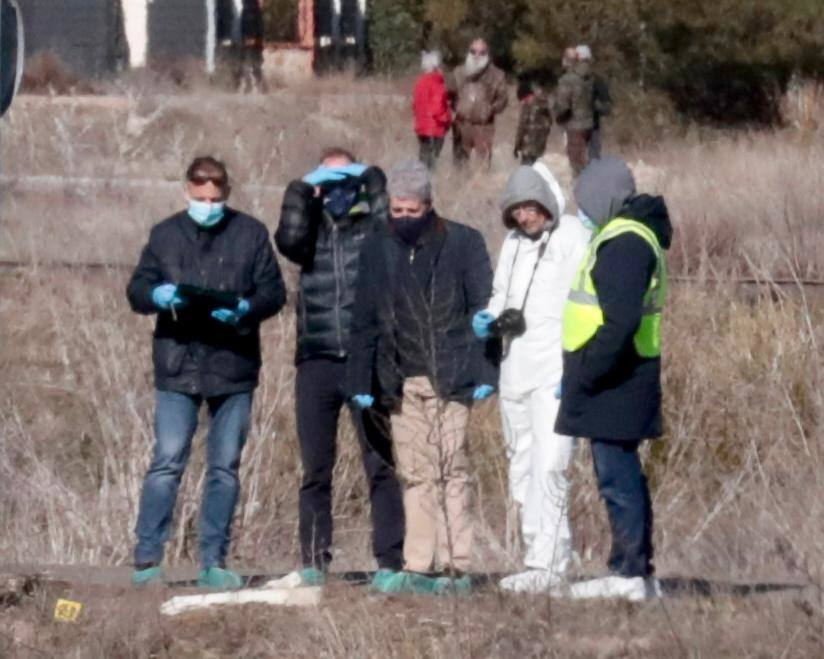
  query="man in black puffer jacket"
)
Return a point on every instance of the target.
[
  {"x": 210, "y": 275},
  {"x": 325, "y": 220}
]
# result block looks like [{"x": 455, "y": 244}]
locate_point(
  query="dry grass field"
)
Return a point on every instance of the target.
[{"x": 738, "y": 480}]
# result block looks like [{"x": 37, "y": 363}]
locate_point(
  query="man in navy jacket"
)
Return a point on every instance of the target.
[
  {"x": 210, "y": 275},
  {"x": 420, "y": 281}
]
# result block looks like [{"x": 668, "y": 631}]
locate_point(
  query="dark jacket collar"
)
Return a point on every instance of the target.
[
  {"x": 652, "y": 212},
  {"x": 193, "y": 231}
]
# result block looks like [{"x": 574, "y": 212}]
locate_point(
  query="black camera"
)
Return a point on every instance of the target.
[{"x": 509, "y": 324}]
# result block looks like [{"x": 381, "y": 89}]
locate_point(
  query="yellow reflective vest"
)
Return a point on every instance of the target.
[{"x": 582, "y": 312}]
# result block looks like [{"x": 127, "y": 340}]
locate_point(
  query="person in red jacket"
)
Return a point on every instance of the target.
[{"x": 431, "y": 107}]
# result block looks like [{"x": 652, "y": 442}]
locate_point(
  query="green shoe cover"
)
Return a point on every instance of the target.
[
  {"x": 311, "y": 576},
  {"x": 219, "y": 578},
  {"x": 382, "y": 579},
  {"x": 148, "y": 576},
  {"x": 414, "y": 583}
]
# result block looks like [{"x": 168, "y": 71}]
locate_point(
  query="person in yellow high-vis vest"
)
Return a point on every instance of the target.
[{"x": 611, "y": 384}]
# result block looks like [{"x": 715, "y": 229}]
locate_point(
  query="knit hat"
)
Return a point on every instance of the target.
[{"x": 409, "y": 179}]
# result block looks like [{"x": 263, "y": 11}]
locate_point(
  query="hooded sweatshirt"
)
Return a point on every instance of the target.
[
  {"x": 534, "y": 359},
  {"x": 609, "y": 390}
]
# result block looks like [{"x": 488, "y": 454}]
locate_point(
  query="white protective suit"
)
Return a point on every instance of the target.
[{"x": 530, "y": 375}]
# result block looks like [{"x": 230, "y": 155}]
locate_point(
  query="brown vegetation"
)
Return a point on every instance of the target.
[{"x": 738, "y": 481}]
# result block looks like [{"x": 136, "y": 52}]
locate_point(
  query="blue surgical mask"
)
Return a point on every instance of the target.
[
  {"x": 587, "y": 221},
  {"x": 205, "y": 213}
]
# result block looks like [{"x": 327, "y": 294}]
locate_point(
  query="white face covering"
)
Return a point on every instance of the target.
[{"x": 476, "y": 63}]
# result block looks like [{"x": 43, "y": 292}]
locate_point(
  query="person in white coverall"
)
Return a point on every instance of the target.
[{"x": 538, "y": 261}]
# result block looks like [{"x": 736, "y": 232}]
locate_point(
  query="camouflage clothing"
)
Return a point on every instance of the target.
[
  {"x": 574, "y": 100},
  {"x": 534, "y": 125}
]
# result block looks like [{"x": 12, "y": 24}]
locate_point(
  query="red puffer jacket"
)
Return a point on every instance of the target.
[{"x": 431, "y": 105}]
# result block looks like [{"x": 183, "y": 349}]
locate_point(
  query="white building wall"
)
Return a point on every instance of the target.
[{"x": 135, "y": 16}]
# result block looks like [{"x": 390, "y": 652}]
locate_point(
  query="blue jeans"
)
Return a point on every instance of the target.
[
  {"x": 175, "y": 425},
  {"x": 624, "y": 489}
]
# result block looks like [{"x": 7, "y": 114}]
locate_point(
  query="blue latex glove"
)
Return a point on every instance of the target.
[
  {"x": 483, "y": 391},
  {"x": 480, "y": 323},
  {"x": 363, "y": 401},
  {"x": 558, "y": 392},
  {"x": 165, "y": 297},
  {"x": 232, "y": 316},
  {"x": 326, "y": 174}
]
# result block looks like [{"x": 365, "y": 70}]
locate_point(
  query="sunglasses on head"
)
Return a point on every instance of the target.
[{"x": 203, "y": 179}]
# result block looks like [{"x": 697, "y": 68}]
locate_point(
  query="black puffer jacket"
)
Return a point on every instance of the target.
[
  {"x": 393, "y": 311},
  {"x": 327, "y": 252},
  {"x": 196, "y": 354},
  {"x": 608, "y": 390}
]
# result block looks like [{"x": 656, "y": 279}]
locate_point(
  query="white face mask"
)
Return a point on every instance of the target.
[
  {"x": 476, "y": 63},
  {"x": 587, "y": 221}
]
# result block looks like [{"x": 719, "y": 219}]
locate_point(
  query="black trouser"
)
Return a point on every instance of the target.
[
  {"x": 430, "y": 150},
  {"x": 623, "y": 487},
  {"x": 595, "y": 144},
  {"x": 319, "y": 393}
]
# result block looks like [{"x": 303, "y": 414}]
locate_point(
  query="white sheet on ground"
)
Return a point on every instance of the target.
[{"x": 285, "y": 591}]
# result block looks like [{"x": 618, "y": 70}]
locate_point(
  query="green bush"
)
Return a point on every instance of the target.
[{"x": 395, "y": 30}]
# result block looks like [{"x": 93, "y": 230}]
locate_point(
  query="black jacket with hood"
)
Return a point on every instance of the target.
[
  {"x": 192, "y": 352},
  {"x": 423, "y": 296},
  {"x": 608, "y": 390},
  {"x": 327, "y": 251}
]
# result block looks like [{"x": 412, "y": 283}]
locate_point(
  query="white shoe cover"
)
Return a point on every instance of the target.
[
  {"x": 633, "y": 589},
  {"x": 531, "y": 581}
]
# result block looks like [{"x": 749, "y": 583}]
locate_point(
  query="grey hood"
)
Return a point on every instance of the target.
[
  {"x": 603, "y": 188},
  {"x": 525, "y": 184}
]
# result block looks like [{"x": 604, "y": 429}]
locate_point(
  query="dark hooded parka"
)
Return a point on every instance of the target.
[{"x": 609, "y": 390}]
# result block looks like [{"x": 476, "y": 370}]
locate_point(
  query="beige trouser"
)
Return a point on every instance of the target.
[{"x": 429, "y": 435}]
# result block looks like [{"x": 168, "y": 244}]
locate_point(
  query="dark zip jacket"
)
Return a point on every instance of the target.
[
  {"x": 421, "y": 299},
  {"x": 327, "y": 252},
  {"x": 609, "y": 390},
  {"x": 194, "y": 353}
]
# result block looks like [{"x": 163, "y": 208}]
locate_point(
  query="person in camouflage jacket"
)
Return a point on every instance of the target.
[
  {"x": 534, "y": 124},
  {"x": 573, "y": 108},
  {"x": 601, "y": 102}
]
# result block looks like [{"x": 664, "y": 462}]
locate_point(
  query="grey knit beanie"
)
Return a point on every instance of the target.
[{"x": 409, "y": 179}]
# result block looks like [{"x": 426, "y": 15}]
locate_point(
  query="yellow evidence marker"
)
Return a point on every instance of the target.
[{"x": 67, "y": 610}]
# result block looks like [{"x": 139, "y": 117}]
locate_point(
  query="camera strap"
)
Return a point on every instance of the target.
[{"x": 541, "y": 252}]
